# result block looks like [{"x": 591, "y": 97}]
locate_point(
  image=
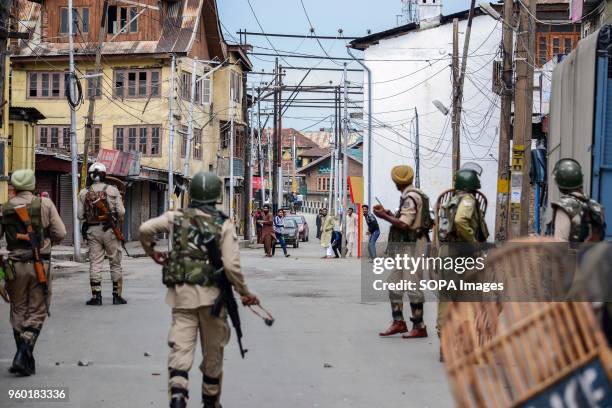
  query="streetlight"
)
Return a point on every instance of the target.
[{"x": 440, "y": 106}]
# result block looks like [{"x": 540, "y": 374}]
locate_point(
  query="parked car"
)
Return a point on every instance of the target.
[
  {"x": 303, "y": 229},
  {"x": 291, "y": 233}
]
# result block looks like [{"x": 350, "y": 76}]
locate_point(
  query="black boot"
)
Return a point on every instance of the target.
[
  {"x": 178, "y": 402},
  {"x": 117, "y": 289},
  {"x": 22, "y": 363},
  {"x": 17, "y": 338},
  {"x": 96, "y": 299},
  {"x": 210, "y": 401},
  {"x": 32, "y": 361},
  {"x": 118, "y": 300}
]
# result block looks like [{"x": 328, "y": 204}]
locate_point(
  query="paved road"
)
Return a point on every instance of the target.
[{"x": 321, "y": 322}]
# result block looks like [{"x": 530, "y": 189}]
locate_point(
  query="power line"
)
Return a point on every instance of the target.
[{"x": 319, "y": 37}]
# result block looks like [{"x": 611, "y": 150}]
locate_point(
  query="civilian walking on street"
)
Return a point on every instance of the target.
[
  {"x": 373, "y": 231},
  {"x": 267, "y": 231},
  {"x": 279, "y": 229},
  {"x": 351, "y": 231},
  {"x": 320, "y": 221},
  {"x": 326, "y": 235},
  {"x": 259, "y": 228},
  {"x": 337, "y": 237}
]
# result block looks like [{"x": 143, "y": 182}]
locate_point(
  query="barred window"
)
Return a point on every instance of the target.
[{"x": 142, "y": 138}]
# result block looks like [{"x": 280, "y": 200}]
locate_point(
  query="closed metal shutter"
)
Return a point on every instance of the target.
[{"x": 65, "y": 206}]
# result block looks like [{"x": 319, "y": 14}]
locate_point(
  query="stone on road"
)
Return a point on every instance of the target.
[{"x": 322, "y": 351}]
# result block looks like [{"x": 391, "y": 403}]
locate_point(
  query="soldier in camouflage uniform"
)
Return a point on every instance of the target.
[
  {"x": 28, "y": 308},
  {"x": 409, "y": 233},
  {"x": 189, "y": 275},
  {"x": 101, "y": 239},
  {"x": 461, "y": 228},
  {"x": 576, "y": 218}
]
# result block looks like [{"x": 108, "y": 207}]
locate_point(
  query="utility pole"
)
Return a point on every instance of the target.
[
  {"x": 248, "y": 200},
  {"x": 456, "y": 118},
  {"x": 231, "y": 152},
  {"x": 279, "y": 140},
  {"x": 92, "y": 97},
  {"x": 73, "y": 140},
  {"x": 190, "y": 119},
  {"x": 505, "y": 126},
  {"x": 273, "y": 140},
  {"x": 294, "y": 162},
  {"x": 5, "y": 15},
  {"x": 170, "y": 201},
  {"x": 417, "y": 153},
  {"x": 259, "y": 149},
  {"x": 345, "y": 162},
  {"x": 332, "y": 157},
  {"x": 523, "y": 109}
]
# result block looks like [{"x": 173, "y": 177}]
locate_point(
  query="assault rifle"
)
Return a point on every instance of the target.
[
  {"x": 226, "y": 293},
  {"x": 109, "y": 218},
  {"x": 31, "y": 237}
]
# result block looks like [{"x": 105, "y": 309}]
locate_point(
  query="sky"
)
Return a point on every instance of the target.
[{"x": 354, "y": 17}]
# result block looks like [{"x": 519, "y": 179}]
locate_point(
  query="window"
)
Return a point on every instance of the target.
[
  {"x": 53, "y": 136},
  {"x": 94, "y": 145},
  {"x": 235, "y": 86},
  {"x": 197, "y": 144},
  {"x": 80, "y": 20},
  {"x": 142, "y": 138},
  {"x": 322, "y": 183},
  {"x": 549, "y": 45},
  {"x": 239, "y": 141},
  {"x": 46, "y": 85},
  {"x": 184, "y": 132},
  {"x": 186, "y": 85},
  {"x": 141, "y": 83},
  {"x": 206, "y": 90},
  {"x": 93, "y": 85},
  {"x": 118, "y": 20},
  {"x": 224, "y": 137}
]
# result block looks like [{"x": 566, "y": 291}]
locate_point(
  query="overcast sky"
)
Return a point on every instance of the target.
[{"x": 354, "y": 17}]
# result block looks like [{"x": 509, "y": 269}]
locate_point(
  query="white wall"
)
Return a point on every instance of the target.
[{"x": 394, "y": 100}]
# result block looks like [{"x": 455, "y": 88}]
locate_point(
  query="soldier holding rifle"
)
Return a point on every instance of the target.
[
  {"x": 200, "y": 270},
  {"x": 30, "y": 225}
]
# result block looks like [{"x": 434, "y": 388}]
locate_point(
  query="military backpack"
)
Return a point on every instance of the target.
[
  {"x": 92, "y": 213},
  {"x": 584, "y": 214},
  {"x": 426, "y": 221},
  {"x": 12, "y": 225},
  {"x": 446, "y": 219},
  {"x": 189, "y": 261}
]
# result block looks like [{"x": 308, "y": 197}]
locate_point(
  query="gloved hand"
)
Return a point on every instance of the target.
[
  {"x": 249, "y": 300},
  {"x": 160, "y": 258}
]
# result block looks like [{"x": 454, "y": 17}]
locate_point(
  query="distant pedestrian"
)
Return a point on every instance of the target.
[
  {"x": 258, "y": 227},
  {"x": 279, "y": 230},
  {"x": 337, "y": 237},
  {"x": 373, "y": 231},
  {"x": 267, "y": 233},
  {"x": 351, "y": 231},
  {"x": 326, "y": 235},
  {"x": 320, "y": 220}
]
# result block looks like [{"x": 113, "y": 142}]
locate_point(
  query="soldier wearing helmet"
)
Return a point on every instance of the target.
[
  {"x": 189, "y": 274},
  {"x": 576, "y": 218},
  {"x": 29, "y": 307},
  {"x": 101, "y": 239}
]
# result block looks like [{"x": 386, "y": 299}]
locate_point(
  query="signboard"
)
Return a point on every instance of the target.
[
  {"x": 117, "y": 163},
  {"x": 256, "y": 183},
  {"x": 588, "y": 386}
]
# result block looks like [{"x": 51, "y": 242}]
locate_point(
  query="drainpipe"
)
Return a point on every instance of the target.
[{"x": 369, "y": 187}]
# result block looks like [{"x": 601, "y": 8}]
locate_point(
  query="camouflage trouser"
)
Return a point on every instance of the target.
[
  {"x": 214, "y": 335},
  {"x": 416, "y": 296},
  {"x": 28, "y": 310},
  {"x": 103, "y": 243}
]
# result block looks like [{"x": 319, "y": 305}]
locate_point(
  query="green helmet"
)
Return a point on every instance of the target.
[
  {"x": 467, "y": 180},
  {"x": 568, "y": 174},
  {"x": 205, "y": 188}
]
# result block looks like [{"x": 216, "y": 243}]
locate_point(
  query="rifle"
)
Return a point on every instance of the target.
[
  {"x": 226, "y": 293},
  {"x": 3, "y": 277},
  {"x": 111, "y": 219},
  {"x": 31, "y": 237}
]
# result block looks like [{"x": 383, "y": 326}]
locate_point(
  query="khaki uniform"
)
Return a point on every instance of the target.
[
  {"x": 410, "y": 213},
  {"x": 191, "y": 313},
  {"x": 28, "y": 309},
  {"x": 465, "y": 229},
  {"x": 103, "y": 243}
]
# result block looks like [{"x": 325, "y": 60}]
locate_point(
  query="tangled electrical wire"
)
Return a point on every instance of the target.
[{"x": 73, "y": 78}]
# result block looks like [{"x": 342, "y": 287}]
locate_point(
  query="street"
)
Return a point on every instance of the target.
[{"x": 322, "y": 351}]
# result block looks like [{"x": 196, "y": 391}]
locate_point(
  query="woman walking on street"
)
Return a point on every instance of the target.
[
  {"x": 267, "y": 231},
  {"x": 326, "y": 235},
  {"x": 279, "y": 229}
]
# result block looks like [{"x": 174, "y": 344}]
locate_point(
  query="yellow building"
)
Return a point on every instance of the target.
[{"x": 133, "y": 94}]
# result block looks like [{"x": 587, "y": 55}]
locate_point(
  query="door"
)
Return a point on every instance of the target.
[{"x": 601, "y": 187}]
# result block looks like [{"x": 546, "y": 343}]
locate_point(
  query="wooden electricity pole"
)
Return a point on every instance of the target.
[
  {"x": 273, "y": 140},
  {"x": 96, "y": 80},
  {"x": 505, "y": 127},
  {"x": 456, "y": 119},
  {"x": 523, "y": 109}
]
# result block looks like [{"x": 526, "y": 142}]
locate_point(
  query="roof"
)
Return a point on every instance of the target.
[
  {"x": 287, "y": 134},
  {"x": 323, "y": 138},
  {"x": 353, "y": 153},
  {"x": 373, "y": 39},
  {"x": 26, "y": 114},
  {"x": 315, "y": 152},
  {"x": 178, "y": 33}
]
